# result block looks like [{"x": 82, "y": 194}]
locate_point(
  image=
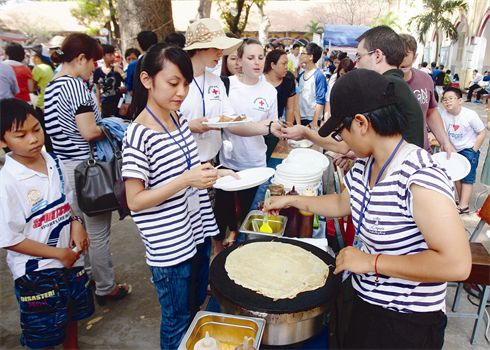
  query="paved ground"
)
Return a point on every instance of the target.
[{"x": 133, "y": 323}]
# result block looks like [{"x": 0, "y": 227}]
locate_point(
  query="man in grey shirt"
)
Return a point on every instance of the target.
[{"x": 8, "y": 81}]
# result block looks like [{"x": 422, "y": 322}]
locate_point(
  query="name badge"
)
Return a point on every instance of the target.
[
  {"x": 205, "y": 135},
  {"x": 192, "y": 199}
]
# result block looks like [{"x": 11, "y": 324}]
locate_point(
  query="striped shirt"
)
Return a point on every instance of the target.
[
  {"x": 169, "y": 231},
  {"x": 62, "y": 99},
  {"x": 389, "y": 228}
]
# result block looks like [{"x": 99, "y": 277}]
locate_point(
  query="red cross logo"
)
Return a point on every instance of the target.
[
  {"x": 215, "y": 91},
  {"x": 261, "y": 103}
]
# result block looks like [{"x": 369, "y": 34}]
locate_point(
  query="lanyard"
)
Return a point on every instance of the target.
[
  {"x": 202, "y": 93},
  {"x": 186, "y": 155},
  {"x": 357, "y": 242},
  {"x": 363, "y": 207}
]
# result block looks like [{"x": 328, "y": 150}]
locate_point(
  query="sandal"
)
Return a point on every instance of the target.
[
  {"x": 229, "y": 242},
  {"x": 120, "y": 292},
  {"x": 464, "y": 210}
]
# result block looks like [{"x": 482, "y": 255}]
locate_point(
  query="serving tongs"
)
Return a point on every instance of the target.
[{"x": 265, "y": 221}]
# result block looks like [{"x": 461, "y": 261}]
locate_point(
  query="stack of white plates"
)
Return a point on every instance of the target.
[
  {"x": 302, "y": 168},
  {"x": 298, "y": 175},
  {"x": 306, "y": 157}
]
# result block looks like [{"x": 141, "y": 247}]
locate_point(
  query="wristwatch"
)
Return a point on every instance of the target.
[{"x": 77, "y": 218}]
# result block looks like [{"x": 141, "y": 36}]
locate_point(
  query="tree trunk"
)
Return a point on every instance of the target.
[
  {"x": 204, "y": 9},
  {"x": 437, "y": 44},
  {"x": 235, "y": 20},
  {"x": 138, "y": 15},
  {"x": 117, "y": 32},
  {"x": 265, "y": 23}
]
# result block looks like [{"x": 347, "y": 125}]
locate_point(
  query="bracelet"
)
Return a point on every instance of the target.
[
  {"x": 76, "y": 218},
  {"x": 376, "y": 270},
  {"x": 270, "y": 124}
]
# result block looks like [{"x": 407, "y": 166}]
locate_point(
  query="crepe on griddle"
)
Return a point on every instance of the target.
[{"x": 276, "y": 270}]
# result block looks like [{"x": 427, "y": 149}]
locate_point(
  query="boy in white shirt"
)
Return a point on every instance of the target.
[
  {"x": 312, "y": 87},
  {"x": 467, "y": 133},
  {"x": 43, "y": 237}
]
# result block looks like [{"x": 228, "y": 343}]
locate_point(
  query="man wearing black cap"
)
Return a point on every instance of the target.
[
  {"x": 382, "y": 50},
  {"x": 403, "y": 252}
]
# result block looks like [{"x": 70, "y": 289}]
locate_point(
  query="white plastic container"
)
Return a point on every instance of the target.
[{"x": 207, "y": 343}]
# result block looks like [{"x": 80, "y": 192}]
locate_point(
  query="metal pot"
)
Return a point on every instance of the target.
[{"x": 288, "y": 321}]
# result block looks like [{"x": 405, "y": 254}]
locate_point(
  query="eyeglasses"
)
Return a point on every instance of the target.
[
  {"x": 358, "y": 57},
  {"x": 337, "y": 136},
  {"x": 449, "y": 99}
]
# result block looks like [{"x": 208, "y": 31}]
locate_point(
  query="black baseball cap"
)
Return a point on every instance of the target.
[{"x": 358, "y": 91}]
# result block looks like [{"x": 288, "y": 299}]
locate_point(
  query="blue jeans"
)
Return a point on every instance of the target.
[
  {"x": 473, "y": 157},
  {"x": 181, "y": 291}
]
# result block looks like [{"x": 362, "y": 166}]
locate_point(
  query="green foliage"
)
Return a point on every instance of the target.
[
  {"x": 435, "y": 16},
  {"x": 390, "y": 20},
  {"x": 313, "y": 28},
  {"x": 91, "y": 13},
  {"x": 92, "y": 30},
  {"x": 236, "y": 24}
]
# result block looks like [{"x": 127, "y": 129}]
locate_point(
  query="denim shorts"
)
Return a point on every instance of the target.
[
  {"x": 473, "y": 157},
  {"x": 49, "y": 300}
]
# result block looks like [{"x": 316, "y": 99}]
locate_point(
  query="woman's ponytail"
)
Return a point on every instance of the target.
[{"x": 140, "y": 93}]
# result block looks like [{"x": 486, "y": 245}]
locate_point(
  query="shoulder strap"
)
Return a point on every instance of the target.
[{"x": 226, "y": 81}]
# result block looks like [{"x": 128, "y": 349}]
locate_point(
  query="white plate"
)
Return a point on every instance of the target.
[
  {"x": 248, "y": 178},
  {"x": 308, "y": 156},
  {"x": 301, "y": 144},
  {"x": 299, "y": 170},
  {"x": 214, "y": 123},
  {"x": 457, "y": 167}
]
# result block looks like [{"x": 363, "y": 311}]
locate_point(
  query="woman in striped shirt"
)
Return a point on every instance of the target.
[
  {"x": 71, "y": 117},
  {"x": 166, "y": 188},
  {"x": 409, "y": 239}
]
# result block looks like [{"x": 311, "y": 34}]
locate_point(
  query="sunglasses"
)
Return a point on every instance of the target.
[{"x": 336, "y": 134}]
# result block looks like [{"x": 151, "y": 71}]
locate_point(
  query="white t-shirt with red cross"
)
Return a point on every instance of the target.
[
  {"x": 216, "y": 104},
  {"x": 463, "y": 128},
  {"x": 257, "y": 102},
  {"x": 34, "y": 206}
]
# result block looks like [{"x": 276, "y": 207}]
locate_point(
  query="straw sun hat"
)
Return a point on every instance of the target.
[
  {"x": 55, "y": 42},
  {"x": 207, "y": 33}
]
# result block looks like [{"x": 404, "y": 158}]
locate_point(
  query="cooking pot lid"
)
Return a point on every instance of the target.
[{"x": 250, "y": 300}]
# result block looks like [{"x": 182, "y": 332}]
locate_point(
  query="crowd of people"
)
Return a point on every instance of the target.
[{"x": 376, "y": 109}]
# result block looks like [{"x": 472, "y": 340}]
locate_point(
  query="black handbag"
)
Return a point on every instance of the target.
[{"x": 95, "y": 179}]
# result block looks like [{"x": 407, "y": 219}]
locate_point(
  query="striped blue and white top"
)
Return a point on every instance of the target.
[
  {"x": 65, "y": 96},
  {"x": 389, "y": 228},
  {"x": 169, "y": 231}
]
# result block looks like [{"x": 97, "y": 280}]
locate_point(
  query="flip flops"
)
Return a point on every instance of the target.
[
  {"x": 464, "y": 210},
  {"x": 228, "y": 243},
  {"x": 121, "y": 292}
]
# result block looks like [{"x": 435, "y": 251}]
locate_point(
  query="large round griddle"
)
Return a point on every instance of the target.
[{"x": 245, "y": 298}]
